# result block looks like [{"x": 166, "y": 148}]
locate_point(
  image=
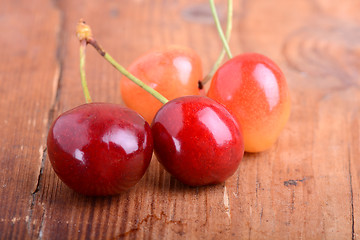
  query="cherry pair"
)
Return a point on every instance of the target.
[{"x": 104, "y": 149}]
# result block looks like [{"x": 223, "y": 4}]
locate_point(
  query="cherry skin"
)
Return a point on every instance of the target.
[
  {"x": 253, "y": 88},
  {"x": 173, "y": 71},
  {"x": 100, "y": 149},
  {"x": 197, "y": 140}
]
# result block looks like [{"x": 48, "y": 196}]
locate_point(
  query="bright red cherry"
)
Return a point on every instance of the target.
[
  {"x": 173, "y": 71},
  {"x": 254, "y": 90},
  {"x": 100, "y": 148},
  {"x": 197, "y": 140}
]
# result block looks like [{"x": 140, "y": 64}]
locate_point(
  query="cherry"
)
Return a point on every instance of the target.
[
  {"x": 100, "y": 148},
  {"x": 173, "y": 71},
  {"x": 253, "y": 88},
  {"x": 197, "y": 140}
]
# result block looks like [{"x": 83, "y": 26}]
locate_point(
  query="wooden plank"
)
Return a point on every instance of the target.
[
  {"x": 302, "y": 188},
  {"x": 29, "y": 72},
  {"x": 305, "y": 187}
]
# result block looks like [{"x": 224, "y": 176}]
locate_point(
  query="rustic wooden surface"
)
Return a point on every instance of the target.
[{"x": 306, "y": 187}]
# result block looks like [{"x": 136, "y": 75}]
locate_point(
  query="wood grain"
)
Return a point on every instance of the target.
[{"x": 305, "y": 187}]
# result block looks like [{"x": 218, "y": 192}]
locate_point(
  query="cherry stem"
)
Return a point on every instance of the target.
[
  {"x": 208, "y": 77},
  {"x": 219, "y": 29},
  {"x": 84, "y": 33},
  {"x": 137, "y": 81},
  {"x": 82, "y": 71}
]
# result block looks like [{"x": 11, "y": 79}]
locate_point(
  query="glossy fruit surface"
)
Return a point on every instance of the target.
[
  {"x": 173, "y": 71},
  {"x": 100, "y": 148},
  {"x": 197, "y": 140},
  {"x": 254, "y": 90}
]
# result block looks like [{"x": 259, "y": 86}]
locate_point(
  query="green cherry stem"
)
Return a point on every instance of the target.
[
  {"x": 82, "y": 71},
  {"x": 218, "y": 26},
  {"x": 209, "y": 76},
  {"x": 87, "y": 36},
  {"x": 137, "y": 81}
]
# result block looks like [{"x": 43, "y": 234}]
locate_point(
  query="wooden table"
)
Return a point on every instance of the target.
[{"x": 306, "y": 186}]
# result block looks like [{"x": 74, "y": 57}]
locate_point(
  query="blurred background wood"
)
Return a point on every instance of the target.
[{"x": 306, "y": 187}]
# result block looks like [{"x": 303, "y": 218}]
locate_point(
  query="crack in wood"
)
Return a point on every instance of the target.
[
  {"x": 41, "y": 171},
  {"x": 351, "y": 197},
  {"x": 37, "y": 188}
]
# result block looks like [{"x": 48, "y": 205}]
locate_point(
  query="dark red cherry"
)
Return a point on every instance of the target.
[
  {"x": 100, "y": 148},
  {"x": 197, "y": 140}
]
